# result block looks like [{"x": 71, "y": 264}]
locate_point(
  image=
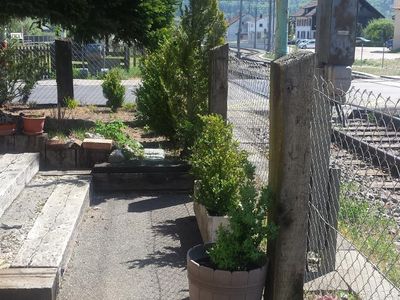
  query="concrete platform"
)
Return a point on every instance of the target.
[{"x": 16, "y": 170}]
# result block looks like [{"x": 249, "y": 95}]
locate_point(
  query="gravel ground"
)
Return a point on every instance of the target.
[{"x": 132, "y": 247}]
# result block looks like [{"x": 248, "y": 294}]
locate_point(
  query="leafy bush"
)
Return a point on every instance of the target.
[
  {"x": 71, "y": 103},
  {"x": 379, "y": 30},
  {"x": 219, "y": 165},
  {"x": 113, "y": 90},
  {"x": 238, "y": 247},
  {"x": 175, "y": 77},
  {"x": 114, "y": 131},
  {"x": 19, "y": 72}
]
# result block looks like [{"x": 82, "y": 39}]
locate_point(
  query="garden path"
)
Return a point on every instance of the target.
[{"x": 131, "y": 246}]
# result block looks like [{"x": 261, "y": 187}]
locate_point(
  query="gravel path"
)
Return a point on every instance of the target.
[{"x": 132, "y": 247}]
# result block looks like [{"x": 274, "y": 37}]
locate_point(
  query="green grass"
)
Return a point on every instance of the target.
[
  {"x": 371, "y": 232},
  {"x": 391, "y": 67}
]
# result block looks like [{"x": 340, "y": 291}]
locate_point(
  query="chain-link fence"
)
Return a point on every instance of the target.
[
  {"x": 248, "y": 109},
  {"x": 353, "y": 242},
  {"x": 90, "y": 63},
  {"x": 354, "y": 236}
]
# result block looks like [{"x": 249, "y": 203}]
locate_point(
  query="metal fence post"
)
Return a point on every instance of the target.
[
  {"x": 218, "y": 80},
  {"x": 289, "y": 173},
  {"x": 65, "y": 86}
]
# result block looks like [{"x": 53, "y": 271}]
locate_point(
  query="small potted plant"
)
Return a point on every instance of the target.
[
  {"x": 33, "y": 124},
  {"x": 7, "y": 124},
  {"x": 236, "y": 264},
  {"x": 219, "y": 168}
]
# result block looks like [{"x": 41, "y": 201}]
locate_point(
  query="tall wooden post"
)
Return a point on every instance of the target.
[
  {"x": 218, "y": 80},
  {"x": 289, "y": 173},
  {"x": 64, "y": 77}
]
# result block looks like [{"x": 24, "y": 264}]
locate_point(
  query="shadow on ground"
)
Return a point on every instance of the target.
[
  {"x": 157, "y": 202},
  {"x": 183, "y": 229}
]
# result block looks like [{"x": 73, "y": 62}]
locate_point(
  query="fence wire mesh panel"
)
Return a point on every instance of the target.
[
  {"x": 354, "y": 236},
  {"x": 248, "y": 94},
  {"x": 90, "y": 63}
]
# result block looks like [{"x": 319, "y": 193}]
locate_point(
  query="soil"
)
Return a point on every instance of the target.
[{"x": 84, "y": 118}]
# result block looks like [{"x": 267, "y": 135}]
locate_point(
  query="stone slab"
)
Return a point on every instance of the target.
[
  {"x": 97, "y": 144},
  {"x": 29, "y": 283},
  {"x": 16, "y": 170},
  {"x": 48, "y": 242}
]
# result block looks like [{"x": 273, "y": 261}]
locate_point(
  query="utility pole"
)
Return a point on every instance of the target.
[
  {"x": 269, "y": 26},
  {"x": 240, "y": 28},
  {"x": 281, "y": 34},
  {"x": 255, "y": 26}
]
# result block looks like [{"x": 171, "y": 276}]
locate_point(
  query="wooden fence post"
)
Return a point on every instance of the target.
[
  {"x": 64, "y": 77},
  {"x": 127, "y": 58},
  {"x": 218, "y": 80},
  {"x": 289, "y": 173}
]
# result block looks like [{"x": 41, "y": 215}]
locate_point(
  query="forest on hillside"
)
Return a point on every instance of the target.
[{"x": 231, "y": 7}]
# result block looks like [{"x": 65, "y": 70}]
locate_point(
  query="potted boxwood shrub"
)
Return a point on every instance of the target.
[
  {"x": 235, "y": 265},
  {"x": 219, "y": 168}
]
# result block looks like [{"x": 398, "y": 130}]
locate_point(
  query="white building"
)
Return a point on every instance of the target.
[{"x": 261, "y": 30}]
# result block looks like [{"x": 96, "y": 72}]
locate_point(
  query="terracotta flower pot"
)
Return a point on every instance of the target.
[
  {"x": 8, "y": 128},
  {"x": 33, "y": 125},
  {"x": 206, "y": 283}
]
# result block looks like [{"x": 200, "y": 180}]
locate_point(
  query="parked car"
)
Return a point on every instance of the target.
[
  {"x": 300, "y": 41},
  {"x": 389, "y": 44},
  {"x": 361, "y": 40},
  {"x": 310, "y": 44},
  {"x": 94, "y": 51}
]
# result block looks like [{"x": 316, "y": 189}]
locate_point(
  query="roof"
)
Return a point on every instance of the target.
[
  {"x": 236, "y": 18},
  {"x": 305, "y": 11}
]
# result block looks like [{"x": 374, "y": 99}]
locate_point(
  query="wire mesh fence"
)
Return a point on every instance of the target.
[
  {"x": 248, "y": 94},
  {"x": 354, "y": 236},
  {"x": 353, "y": 244},
  {"x": 90, "y": 63}
]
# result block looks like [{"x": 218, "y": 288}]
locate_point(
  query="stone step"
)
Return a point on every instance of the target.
[
  {"x": 48, "y": 242},
  {"x": 143, "y": 175},
  {"x": 16, "y": 170},
  {"x": 19, "y": 218}
]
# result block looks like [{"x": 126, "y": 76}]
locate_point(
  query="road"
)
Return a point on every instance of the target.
[
  {"x": 87, "y": 92},
  {"x": 387, "y": 88}
]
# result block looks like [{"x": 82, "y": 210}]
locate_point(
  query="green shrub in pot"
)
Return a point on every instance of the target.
[
  {"x": 239, "y": 246},
  {"x": 219, "y": 165}
]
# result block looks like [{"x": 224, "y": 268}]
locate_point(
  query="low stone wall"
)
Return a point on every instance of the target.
[{"x": 59, "y": 156}]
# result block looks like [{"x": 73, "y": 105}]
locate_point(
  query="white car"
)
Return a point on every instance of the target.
[{"x": 310, "y": 44}]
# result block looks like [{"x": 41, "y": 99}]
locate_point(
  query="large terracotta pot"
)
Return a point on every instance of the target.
[
  {"x": 33, "y": 125},
  {"x": 206, "y": 283},
  {"x": 8, "y": 128}
]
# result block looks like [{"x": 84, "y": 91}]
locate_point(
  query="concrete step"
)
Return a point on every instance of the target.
[
  {"x": 37, "y": 233},
  {"x": 16, "y": 170},
  {"x": 143, "y": 175},
  {"x": 48, "y": 242}
]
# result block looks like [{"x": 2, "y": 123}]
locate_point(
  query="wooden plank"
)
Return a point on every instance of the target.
[
  {"x": 289, "y": 173},
  {"x": 218, "y": 81},
  {"x": 29, "y": 283}
]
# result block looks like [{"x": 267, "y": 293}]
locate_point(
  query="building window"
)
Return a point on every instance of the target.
[
  {"x": 308, "y": 35},
  {"x": 303, "y": 35},
  {"x": 261, "y": 25},
  {"x": 298, "y": 34}
]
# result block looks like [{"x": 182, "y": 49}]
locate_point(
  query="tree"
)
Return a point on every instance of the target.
[
  {"x": 379, "y": 30},
  {"x": 175, "y": 77},
  {"x": 139, "y": 21}
]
